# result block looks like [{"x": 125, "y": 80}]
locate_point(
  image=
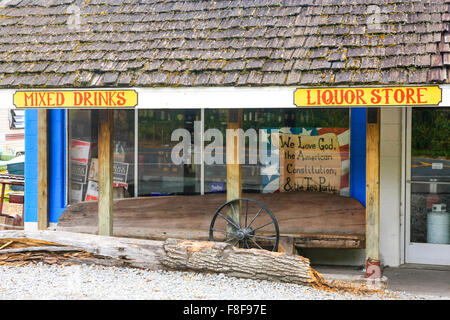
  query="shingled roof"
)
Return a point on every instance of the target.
[{"x": 144, "y": 43}]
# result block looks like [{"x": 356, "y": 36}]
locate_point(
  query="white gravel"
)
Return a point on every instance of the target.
[{"x": 77, "y": 282}]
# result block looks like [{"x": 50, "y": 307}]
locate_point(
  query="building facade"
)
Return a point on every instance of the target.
[{"x": 190, "y": 62}]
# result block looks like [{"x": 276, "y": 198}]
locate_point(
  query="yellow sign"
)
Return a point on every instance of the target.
[
  {"x": 376, "y": 96},
  {"x": 76, "y": 99}
]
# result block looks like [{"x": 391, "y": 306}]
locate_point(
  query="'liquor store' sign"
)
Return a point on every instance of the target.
[{"x": 376, "y": 96}]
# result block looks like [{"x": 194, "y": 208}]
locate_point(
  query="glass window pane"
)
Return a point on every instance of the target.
[
  {"x": 430, "y": 145},
  {"x": 83, "y": 154},
  {"x": 158, "y": 174},
  {"x": 304, "y": 122},
  {"x": 430, "y": 165}
]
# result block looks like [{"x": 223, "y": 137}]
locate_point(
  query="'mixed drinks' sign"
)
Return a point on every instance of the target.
[
  {"x": 76, "y": 99},
  {"x": 376, "y": 96}
]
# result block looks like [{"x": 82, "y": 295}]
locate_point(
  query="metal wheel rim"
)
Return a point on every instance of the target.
[{"x": 262, "y": 206}]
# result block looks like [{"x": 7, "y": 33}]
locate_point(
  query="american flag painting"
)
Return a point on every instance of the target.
[{"x": 270, "y": 171}]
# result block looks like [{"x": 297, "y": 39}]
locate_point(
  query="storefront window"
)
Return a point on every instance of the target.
[
  {"x": 430, "y": 175},
  {"x": 317, "y": 161},
  {"x": 157, "y": 173},
  {"x": 83, "y": 154},
  {"x": 317, "y": 174}
]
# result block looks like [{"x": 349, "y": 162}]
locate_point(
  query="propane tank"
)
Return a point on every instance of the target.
[{"x": 438, "y": 224}]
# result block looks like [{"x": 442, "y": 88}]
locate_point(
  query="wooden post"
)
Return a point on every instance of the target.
[
  {"x": 373, "y": 193},
  {"x": 105, "y": 172},
  {"x": 43, "y": 218},
  {"x": 234, "y": 169}
]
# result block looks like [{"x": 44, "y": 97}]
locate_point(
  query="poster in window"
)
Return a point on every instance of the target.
[{"x": 310, "y": 159}]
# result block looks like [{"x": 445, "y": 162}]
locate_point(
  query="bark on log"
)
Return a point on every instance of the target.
[{"x": 220, "y": 257}]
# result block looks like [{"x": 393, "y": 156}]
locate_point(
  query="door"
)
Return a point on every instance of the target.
[{"x": 428, "y": 186}]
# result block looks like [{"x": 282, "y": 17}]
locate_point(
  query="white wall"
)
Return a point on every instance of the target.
[{"x": 390, "y": 185}]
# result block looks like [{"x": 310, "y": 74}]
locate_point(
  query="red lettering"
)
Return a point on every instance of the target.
[
  {"x": 77, "y": 98},
  {"x": 41, "y": 96},
  {"x": 308, "y": 97},
  {"x": 339, "y": 96},
  {"x": 359, "y": 97},
  {"x": 49, "y": 99},
  {"x": 376, "y": 97},
  {"x": 111, "y": 98},
  {"x": 29, "y": 97},
  {"x": 60, "y": 99},
  {"x": 386, "y": 94},
  {"x": 87, "y": 97},
  {"x": 351, "y": 99},
  {"x": 399, "y": 96},
  {"x": 121, "y": 98},
  {"x": 409, "y": 96},
  {"x": 327, "y": 97},
  {"x": 420, "y": 95}
]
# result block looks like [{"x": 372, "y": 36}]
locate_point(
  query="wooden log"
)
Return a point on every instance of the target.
[
  {"x": 175, "y": 254},
  {"x": 105, "y": 173},
  {"x": 221, "y": 257},
  {"x": 136, "y": 252},
  {"x": 373, "y": 184},
  {"x": 43, "y": 217}
]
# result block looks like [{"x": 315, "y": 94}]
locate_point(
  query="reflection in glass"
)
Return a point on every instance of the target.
[
  {"x": 430, "y": 169},
  {"x": 157, "y": 174},
  {"x": 83, "y": 154}
]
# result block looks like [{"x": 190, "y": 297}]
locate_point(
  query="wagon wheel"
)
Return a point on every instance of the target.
[{"x": 258, "y": 227}]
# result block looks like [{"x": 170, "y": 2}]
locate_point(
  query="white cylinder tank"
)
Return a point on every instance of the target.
[{"x": 438, "y": 224}]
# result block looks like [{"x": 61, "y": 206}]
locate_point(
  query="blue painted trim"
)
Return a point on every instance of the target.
[
  {"x": 31, "y": 165},
  {"x": 358, "y": 154},
  {"x": 57, "y": 164}
]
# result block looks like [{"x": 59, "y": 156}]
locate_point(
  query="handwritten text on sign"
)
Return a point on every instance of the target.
[
  {"x": 76, "y": 99},
  {"x": 309, "y": 163},
  {"x": 388, "y": 96}
]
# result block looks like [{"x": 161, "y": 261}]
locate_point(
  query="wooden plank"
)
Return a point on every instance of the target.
[
  {"x": 234, "y": 168},
  {"x": 286, "y": 244},
  {"x": 372, "y": 183},
  {"x": 43, "y": 217},
  {"x": 298, "y": 214},
  {"x": 331, "y": 241},
  {"x": 105, "y": 173}
]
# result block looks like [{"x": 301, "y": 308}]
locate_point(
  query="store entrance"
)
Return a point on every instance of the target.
[{"x": 428, "y": 186}]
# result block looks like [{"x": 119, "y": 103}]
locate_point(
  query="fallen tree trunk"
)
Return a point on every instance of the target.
[
  {"x": 205, "y": 256},
  {"x": 175, "y": 254}
]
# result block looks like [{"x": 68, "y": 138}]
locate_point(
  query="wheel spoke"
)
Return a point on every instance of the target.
[
  {"x": 263, "y": 226},
  {"x": 257, "y": 214},
  {"x": 246, "y": 243},
  {"x": 246, "y": 213},
  {"x": 229, "y": 221},
  {"x": 256, "y": 243}
]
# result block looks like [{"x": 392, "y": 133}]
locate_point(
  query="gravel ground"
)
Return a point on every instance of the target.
[{"x": 93, "y": 282}]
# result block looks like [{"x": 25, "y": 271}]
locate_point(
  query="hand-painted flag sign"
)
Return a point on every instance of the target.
[
  {"x": 76, "y": 99},
  {"x": 376, "y": 96}
]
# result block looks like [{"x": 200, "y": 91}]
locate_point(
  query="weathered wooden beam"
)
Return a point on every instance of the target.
[
  {"x": 234, "y": 168},
  {"x": 373, "y": 186},
  {"x": 43, "y": 216},
  {"x": 105, "y": 172},
  {"x": 243, "y": 263}
]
